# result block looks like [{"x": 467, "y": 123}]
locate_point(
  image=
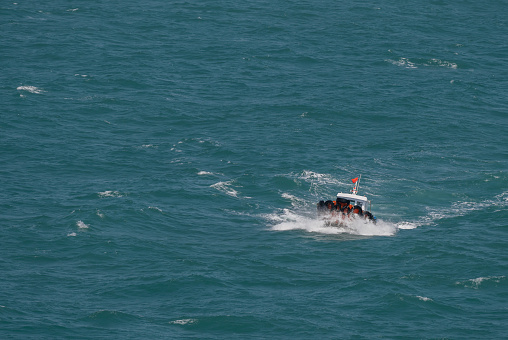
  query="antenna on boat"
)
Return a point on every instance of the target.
[{"x": 356, "y": 181}]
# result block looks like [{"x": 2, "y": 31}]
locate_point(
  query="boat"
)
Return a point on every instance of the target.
[{"x": 346, "y": 207}]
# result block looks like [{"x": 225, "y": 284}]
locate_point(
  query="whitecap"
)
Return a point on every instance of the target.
[
  {"x": 441, "y": 63},
  {"x": 71, "y": 234},
  {"x": 502, "y": 199},
  {"x": 477, "y": 282},
  {"x": 406, "y": 225},
  {"x": 109, "y": 193},
  {"x": 307, "y": 174},
  {"x": 183, "y": 322},
  {"x": 31, "y": 89},
  {"x": 316, "y": 180},
  {"x": 295, "y": 201},
  {"x": 289, "y": 196},
  {"x": 225, "y": 187},
  {"x": 204, "y": 173},
  {"x": 462, "y": 208},
  {"x": 402, "y": 62},
  {"x": 423, "y": 298},
  {"x": 82, "y": 225},
  {"x": 155, "y": 208},
  {"x": 407, "y": 63},
  {"x": 456, "y": 209}
]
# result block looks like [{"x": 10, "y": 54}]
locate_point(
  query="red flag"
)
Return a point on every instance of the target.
[{"x": 355, "y": 180}]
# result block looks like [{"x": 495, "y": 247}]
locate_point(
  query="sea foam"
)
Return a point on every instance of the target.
[
  {"x": 183, "y": 322},
  {"x": 109, "y": 193},
  {"x": 479, "y": 281},
  {"x": 423, "y": 298},
  {"x": 415, "y": 63},
  {"x": 290, "y": 220},
  {"x": 82, "y": 225},
  {"x": 225, "y": 187},
  {"x": 462, "y": 208},
  {"x": 31, "y": 89}
]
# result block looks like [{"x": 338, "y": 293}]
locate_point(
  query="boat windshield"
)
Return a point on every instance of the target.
[{"x": 354, "y": 202}]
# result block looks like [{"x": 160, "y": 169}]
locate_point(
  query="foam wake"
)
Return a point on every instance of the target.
[
  {"x": 289, "y": 220},
  {"x": 463, "y": 208}
]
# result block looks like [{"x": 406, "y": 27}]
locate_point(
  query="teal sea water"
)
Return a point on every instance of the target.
[{"x": 161, "y": 162}]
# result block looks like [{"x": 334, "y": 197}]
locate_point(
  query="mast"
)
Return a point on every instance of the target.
[{"x": 356, "y": 181}]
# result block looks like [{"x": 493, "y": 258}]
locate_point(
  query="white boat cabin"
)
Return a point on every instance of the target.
[{"x": 353, "y": 199}]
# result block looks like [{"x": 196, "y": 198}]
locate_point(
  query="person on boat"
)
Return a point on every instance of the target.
[
  {"x": 341, "y": 203},
  {"x": 346, "y": 210},
  {"x": 330, "y": 205},
  {"x": 357, "y": 210}
]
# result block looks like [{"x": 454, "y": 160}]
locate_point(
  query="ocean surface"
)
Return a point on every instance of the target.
[{"x": 161, "y": 161}]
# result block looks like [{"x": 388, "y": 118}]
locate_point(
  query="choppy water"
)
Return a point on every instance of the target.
[{"x": 161, "y": 162}]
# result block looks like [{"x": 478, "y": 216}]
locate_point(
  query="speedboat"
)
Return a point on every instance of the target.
[{"x": 346, "y": 207}]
